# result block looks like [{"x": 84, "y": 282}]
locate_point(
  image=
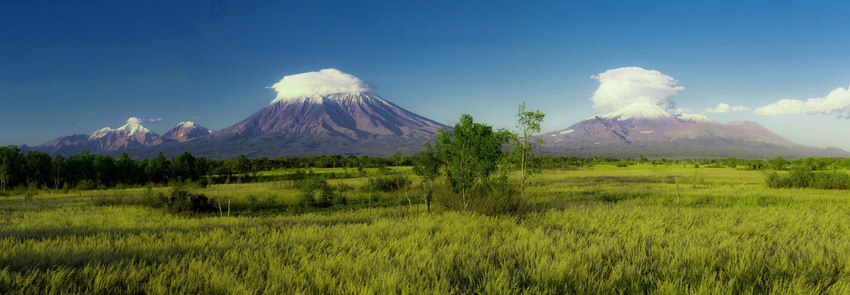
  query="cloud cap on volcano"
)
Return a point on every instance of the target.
[
  {"x": 324, "y": 82},
  {"x": 624, "y": 86}
]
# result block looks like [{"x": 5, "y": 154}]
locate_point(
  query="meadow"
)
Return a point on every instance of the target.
[{"x": 604, "y": 229}]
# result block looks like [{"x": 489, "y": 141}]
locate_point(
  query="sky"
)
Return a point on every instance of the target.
[{"x": 70, "y": 67}]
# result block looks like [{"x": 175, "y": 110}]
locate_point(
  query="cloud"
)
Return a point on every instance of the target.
[
  {"x": 136, "y": 121},
  {"x": 324, "y": 82},
  {"x": 682, "y": 110},
  {"x": 836, "y": 102},
  {"x": 725, "y": 108},
  {"x": 621, "y": 87}
]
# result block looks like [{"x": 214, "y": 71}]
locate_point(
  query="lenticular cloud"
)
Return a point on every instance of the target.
[
  {"x": 324, "y": 82},
  {"x": 621, "y": 87}
]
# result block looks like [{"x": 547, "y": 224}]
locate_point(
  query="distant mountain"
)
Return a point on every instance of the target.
[
  {"x": 315, "y": 113},
  {"x": 127, "y": 137},
  {"x": 649, "y": 130},
  {"x": 338, "y": 123},
  {"x": 331, "y": 112},
  {"x": 186, "y": 131}
]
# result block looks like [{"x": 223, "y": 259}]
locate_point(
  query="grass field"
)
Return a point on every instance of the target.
[{"x": 608, "y": 230}]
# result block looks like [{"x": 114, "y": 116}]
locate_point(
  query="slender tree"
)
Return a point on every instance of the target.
[
  {"x": 58, "y": 162},
  {"x": 528, "y": 123},
  {"x": 427, "y": 166},
  {"x": 4, "y": 175}
]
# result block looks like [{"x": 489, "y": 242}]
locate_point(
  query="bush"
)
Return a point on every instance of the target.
[
  {"x": 802, "y": 178},
  {"x": 326, "y": 198},
  {"x": 110, "y": 198},
  {"x": 203, "y": 182},
  {"x": 619, "y": 195},
  {"x": 184, "y": 201},
  {"x": 492, "y": 198},
  {"x": 387, "y": 183},
  {"x": 326, "y": 195},
  {"x": 85, "y": 185}
]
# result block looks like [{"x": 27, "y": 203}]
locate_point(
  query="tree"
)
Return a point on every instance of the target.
[
  {"x": 779, "y": 163},
  {"x": 528, "y": 123},
  {"x": 470, "y": 153},
  {"x": 39, "y": 165},
  {"x": 4, "y": 175},
  {"x": 396, "y": 159},
  {"x": 58, "y": 162},
  {"x": 427, "y": 166}
]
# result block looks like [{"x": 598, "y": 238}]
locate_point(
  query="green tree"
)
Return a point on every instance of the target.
[
  {"x": 39, "y": 165},
  {"x": 470, "y": 153},
  {"x": 528, "y": 123},
  {"x": 396, "y": 159},
  {"x": 4, "y": 175},
  {"x": 779, "y": 163},
  {"x": 427, "y": 166},
  {"x": 56, "y": 170}
]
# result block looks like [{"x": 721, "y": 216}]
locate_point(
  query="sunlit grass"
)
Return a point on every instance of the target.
[{"x": 639, "y": 229}]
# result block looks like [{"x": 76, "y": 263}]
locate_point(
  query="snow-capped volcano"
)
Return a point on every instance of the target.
[
  {"x": 185, "y": 131},
  {"x": 323, "y": 112},
  {"x": 638, "y": 111},
  {"x": 643, "y": 128},
  {"x": 314, "y": 113},
  {"x": 129, "y": 136},
  {"x": 133, "y": 128},
  {"x": 347, "y": 115}
]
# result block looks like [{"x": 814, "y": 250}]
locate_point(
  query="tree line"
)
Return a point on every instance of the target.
[
  {"x": 88, "y": 171},
  {"x": 37, "y": 169}
]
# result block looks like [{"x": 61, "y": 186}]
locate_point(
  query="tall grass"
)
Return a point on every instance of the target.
[{"x": 609, "y": 230}]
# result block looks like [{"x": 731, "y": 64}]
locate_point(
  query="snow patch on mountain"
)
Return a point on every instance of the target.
[
  {"x": 100, "y": 133},
  {"x": 638, "y": 110},
  {"x": 695, "y": 118}
]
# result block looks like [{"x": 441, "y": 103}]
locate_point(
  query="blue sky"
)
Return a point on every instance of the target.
[{"x": 76, "y": 66}]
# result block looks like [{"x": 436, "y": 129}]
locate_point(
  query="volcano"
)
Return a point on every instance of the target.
[
  {"x": 127, "y": 137},
  {"x": 317, "y": 113},
  {"x": 185, "y": 131},
  {"x": 649, "y": 130}
]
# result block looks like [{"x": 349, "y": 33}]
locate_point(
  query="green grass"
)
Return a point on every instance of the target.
[{"x": 608, "y": 230}]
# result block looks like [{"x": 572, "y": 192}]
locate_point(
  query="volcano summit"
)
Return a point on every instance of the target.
[{"x": 314, "y": 113}]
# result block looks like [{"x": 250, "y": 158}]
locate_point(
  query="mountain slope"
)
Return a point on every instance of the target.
[
  {"x": 644, "y": 129},
  {"x": 339, "y": 123},
  {"x": 127, "y": 137},
  {"x": 185, "y": 131},
  {"x": 347, "y": 115}
]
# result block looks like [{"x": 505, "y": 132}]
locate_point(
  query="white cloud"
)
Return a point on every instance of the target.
[
  {"x": 836, "y": 102},
  {"x": 136, "y": 121},
  {"x": 682, "y": 110},
  {"x": 324, "y": 82},
  {"x": 725, "y": 108},
  {"x": 621, "y": 87}
]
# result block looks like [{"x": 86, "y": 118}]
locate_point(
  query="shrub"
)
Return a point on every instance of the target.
[
  {"x": 616, "y": 195},
  {"x": 203, "y": 182},
  {"x": 387, "y": 183},
  {"x": 802, "y": 178},
  {"x": 491, "y": 198},
  {"x": 184, "y": 201},
  {"x": 327, "y": 196},
  {"x": 110, "y": 198},
  {"x": 85, "y": 185}
]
